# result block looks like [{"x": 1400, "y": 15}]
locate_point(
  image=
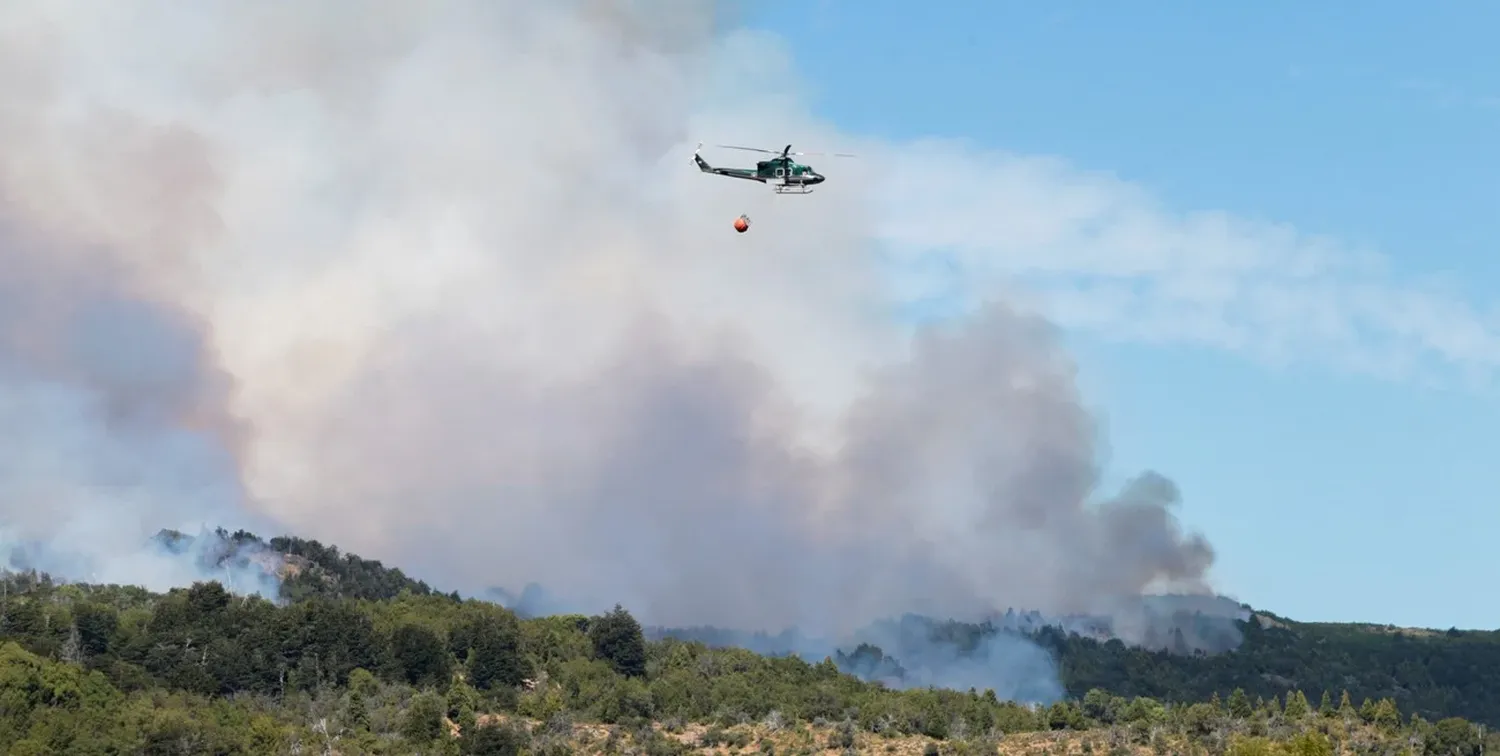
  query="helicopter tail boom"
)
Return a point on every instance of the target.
[{"x": 738, "y": 173}]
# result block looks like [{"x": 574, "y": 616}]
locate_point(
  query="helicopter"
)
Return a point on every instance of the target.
[{"x": 782, "y": 173}]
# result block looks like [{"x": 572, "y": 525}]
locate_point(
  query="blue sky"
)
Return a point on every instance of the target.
[{"x": 1330, "y": 494}]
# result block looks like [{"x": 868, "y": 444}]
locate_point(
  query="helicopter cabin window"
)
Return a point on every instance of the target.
[{"x": 780, "y": 172}]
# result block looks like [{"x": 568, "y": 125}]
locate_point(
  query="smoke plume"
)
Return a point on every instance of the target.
[
  {"x": 114, "y": 414},
  {"x": 437, "y": 282}
]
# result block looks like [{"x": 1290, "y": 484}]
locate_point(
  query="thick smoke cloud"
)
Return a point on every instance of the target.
[
  {"x": 437, "y": 282},
  {"x": 113, "y": 417}
]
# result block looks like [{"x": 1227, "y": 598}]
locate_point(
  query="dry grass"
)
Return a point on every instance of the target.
[
  {"x": 809, "y": 740},
  {"x": 831, "y": 740}
]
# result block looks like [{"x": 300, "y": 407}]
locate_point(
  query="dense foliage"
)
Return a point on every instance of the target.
[
  {"x": 360, "y": 659},
  {"x": 1433, "y": 673},
  {"x": 1436, "y": 674}
]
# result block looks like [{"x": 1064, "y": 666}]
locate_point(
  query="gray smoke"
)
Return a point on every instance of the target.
[
  {"x": 112, "y": 415},
  {"x": 437, "y": 283}
]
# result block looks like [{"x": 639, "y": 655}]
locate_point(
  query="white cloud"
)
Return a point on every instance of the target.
[{"x": 1101, "y": 255}]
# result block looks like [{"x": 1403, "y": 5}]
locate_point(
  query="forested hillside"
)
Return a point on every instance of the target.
[
  {"x": 360, "y": 659},
  {"x": 1434, "y": 673}
]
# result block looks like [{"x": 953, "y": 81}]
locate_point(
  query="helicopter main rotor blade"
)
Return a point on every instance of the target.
[
  {"x": 779, "y": 152},
  {"x": 748, "y": 149}
]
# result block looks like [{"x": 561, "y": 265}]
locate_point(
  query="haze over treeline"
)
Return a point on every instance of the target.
[{"x": 438, "y": 284}]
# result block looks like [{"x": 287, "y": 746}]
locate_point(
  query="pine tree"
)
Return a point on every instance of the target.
[
  {"x": 1346, "y": 705},
  {"x": 1273, "y": 706},
  {"x": 1296, "y": 704},
  {"x": 1367, "y": 710},
  {"x": 460, "y": 697},
  {"x": 1325, "y": 706},
  {"x": 1215, "y": 702},
  {"x": 1239, "y": 704},
  {"x": 357, "y": 714},
  {"x": 1386, "y": 714}
]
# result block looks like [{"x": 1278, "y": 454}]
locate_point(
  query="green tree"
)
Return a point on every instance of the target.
[
  {"x": 1272, "y": 707},
  {"x": 1386, "y": 714},
  {"x": 619, "y": 640},
  {"x": 1098, "y": 705},
  {"x": 1242, "y": 746},
  {"x": 1063, "y": 715},
  {"x": 1325, "y": 705},
  {"x": 423, "y": 719},
  {"x": 1239, "y": 704},
  {"x": 496, "y": 660},
  {"x": 421, "y": 656},
  {"x": 1144, "y": 711},
  {"x": 205, "y": 600},
  {"x": 1310, "y": 743},
  {"x": 1200, "y": 719},
  {"x": 97, "y": 626},
  {"x": 357, "y": 712},
  {"x": 363, "y": 682},
  {"x": 1296, "y": 705},
  {"x": 492, "y": 740},
  {"x": 1453, "y": 736},
  {"x": 462, "y": 702}
]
